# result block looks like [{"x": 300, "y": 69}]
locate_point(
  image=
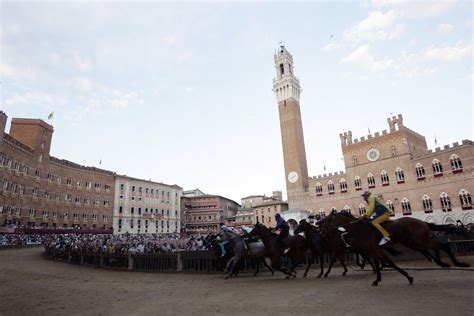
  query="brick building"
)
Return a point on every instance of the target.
[
  {"x": 37, "y": 189},
  {"x": 203, "y": 214},
  {"x": 142, "y": 206},
  {"x": 432, "y": 185}
]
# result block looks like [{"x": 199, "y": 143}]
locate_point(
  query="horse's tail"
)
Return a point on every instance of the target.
[{"x": 451, "y": 229}]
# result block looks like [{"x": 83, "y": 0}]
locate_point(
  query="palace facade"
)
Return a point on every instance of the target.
[
  {"x": 142, "y": 206},
  {"x": 38, "y": 190},
  {"x": 432, "y": 185}
]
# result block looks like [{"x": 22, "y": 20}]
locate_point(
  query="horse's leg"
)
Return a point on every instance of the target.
[
  {"x": 258, "y": 268},
  {"x": 447, "y": 248},
  {"x": 331, "y": 262},
  {"x": 341, "y": 260},
  {"x": 390, "y": 263},
  {"x": 377, "y": 271},
  {"x": 321, "y": 264},
  {"x": 268, "y": 266},
  {"x": 309, "y": 265},
  {"x": 228, "y": 270}
]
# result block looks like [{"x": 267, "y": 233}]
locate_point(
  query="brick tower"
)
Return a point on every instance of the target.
[{"x": 287, "y": 90}]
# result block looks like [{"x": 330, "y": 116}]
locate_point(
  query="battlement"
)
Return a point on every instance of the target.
[
  {"x": 395, "y": 124},
  {"x": 328, "y": 175},
  {"x": 437, "y": 150}
]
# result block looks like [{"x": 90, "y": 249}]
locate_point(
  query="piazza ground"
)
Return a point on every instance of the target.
[{"x": 30, "y": 284}]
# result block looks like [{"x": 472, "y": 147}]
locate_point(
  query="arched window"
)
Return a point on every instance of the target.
[
  {"x": 406, "y": 207},
  {"x": 358, "y": 183},
  {"x": 465, "y": 199},
  {"x": 362, "y": 209},
  {"x": 354, "y": 160},
  {"x": 394, "y": 150},
  {"x": 427, "y": 204},
  {"x": 420, "y": 171},
  {"x": 445, "y": 202},
  {"x": 456, "y": 163},
  {"x": 390, "y": 206},
  {"x": 371, "y": 180},
  {"x": 437, "y": 168},
  {"x": 319, "y": 189},
  {"x": 330, "y": 187},
  {"x": 343, "y": 185},
  {"x": 400, "y": 175},
  {"x": 282, "y": 69},
  {"x": 384, "y": 178},
  {"x": 347, "y": 209},
  {"x": 322, "y": 212},
  {"x": 333, "y": 210}
]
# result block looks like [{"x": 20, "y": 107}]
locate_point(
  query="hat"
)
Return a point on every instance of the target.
[{"x": 366, "y": 194}]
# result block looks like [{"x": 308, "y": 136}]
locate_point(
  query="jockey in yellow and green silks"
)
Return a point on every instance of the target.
[{"x": 377, "y": 212}]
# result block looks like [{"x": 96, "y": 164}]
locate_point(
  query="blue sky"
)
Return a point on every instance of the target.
[{"x": 181, "y": 93}]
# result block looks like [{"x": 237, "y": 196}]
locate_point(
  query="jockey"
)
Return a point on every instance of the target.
[
  {"x": 282, "y": 229},
  {"x": 224, "y": 230},
  {"x": 377, "y": 212}
]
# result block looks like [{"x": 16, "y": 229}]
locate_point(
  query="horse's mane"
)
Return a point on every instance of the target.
[{"x": 347, "y": 214}]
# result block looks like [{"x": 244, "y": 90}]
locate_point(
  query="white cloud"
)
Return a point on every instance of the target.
[
  {"x": 416, "y": 9},
  {"x": 331, "y": 46},
  {"x": 362, "y": 56},
  {"x": 82, "y": 84},
  {"x": 445, "y": 28},
  {"x": 377, "y": 26},
  {"x": 449, "y": 53}
]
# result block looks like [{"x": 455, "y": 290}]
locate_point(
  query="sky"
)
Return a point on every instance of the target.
[{"x": 181, "y": 92}]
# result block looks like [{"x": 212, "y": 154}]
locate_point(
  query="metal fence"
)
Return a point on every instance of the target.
[{"x": 204, "y": 261}]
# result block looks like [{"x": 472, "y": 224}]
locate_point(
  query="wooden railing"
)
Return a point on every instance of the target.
[{"x": 203, "y": 261}]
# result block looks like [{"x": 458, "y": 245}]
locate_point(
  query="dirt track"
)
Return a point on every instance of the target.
[{"x": 31, "y": 284}]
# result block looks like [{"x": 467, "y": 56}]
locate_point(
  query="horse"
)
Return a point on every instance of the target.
[
  {"x": 297, "y": 245},
  {"x": 256, "y": 251},
  {"x": 364, "y": 238},
  {"x": 318, "y": 246},
  {"x": 416, "y": 234}
]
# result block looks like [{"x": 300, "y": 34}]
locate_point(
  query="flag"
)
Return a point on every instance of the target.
[
  {"x": 100, "y": 162},
  {"x": 50, "y": 116},
  {"x": 436, "y": 141},
  {"x": 369, "y": 131},
  {"x": 324, "y": 167}
]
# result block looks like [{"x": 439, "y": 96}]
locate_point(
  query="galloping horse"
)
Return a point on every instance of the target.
[
  {"x": 363, "y": 238},
  {"x": 297, "y": 245},
  {"x": 416, "y": 234},
  {"x": 318, "y": 246},
  {"x": 256, "y": 251}
]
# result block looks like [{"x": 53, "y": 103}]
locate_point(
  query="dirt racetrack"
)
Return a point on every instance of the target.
[{"x": 30, "y": 284}]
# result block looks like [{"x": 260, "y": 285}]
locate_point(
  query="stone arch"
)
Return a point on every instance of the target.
[
  {"x": 468, "y": 219},
  {"x": 430, "y": 219},
  {"x": 448, "y": 220}
]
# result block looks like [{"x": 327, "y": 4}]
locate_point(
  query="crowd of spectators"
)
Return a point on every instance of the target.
[
  {"x": 123, "y": 244},
  {"x": 20, "y": 239}
]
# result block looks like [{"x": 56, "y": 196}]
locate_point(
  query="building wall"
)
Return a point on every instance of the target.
[
  {"x": 399, "y": 148},
  {"x": 39, "y": 190},
  {"x": 146, "y": 207},
  {"x": 265, "y": 213},
  {"x": 203, "y": 214}
]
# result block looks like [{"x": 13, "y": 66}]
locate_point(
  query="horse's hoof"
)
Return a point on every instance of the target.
[
  {"x": 325, "y": 275},
  {"x": 375, "y": 283},
  {"x": 319, "y": 276},
  {"x": 410, "y": 279},
  {"x": 226, "y": 277},
  {"x": 294, "y": 276},
  {"x": 287, "y": 277},
  {"x": 304, "y": 275}
]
